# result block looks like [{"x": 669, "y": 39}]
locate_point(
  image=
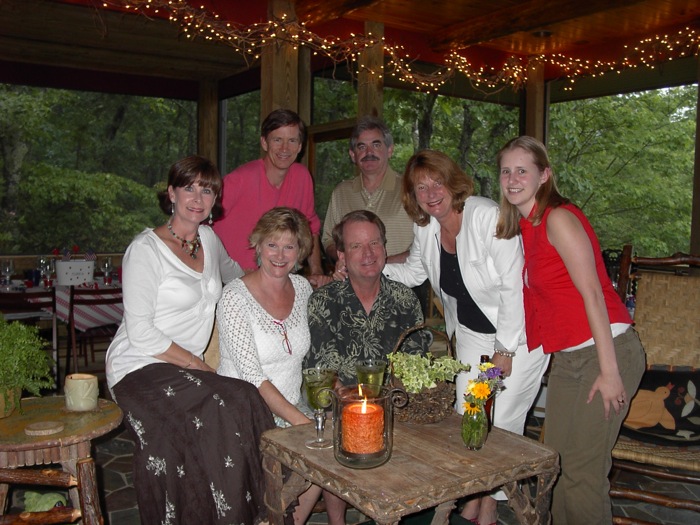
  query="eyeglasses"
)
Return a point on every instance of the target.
[{"x": 285, "y": 338}]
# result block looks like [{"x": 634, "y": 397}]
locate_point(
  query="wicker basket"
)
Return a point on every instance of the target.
[{"x": 430, "y": 405}]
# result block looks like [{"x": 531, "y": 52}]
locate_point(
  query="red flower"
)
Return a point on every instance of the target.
[
  {"x": 76, "y": 249},
  {"x": 56, "y": 251}
]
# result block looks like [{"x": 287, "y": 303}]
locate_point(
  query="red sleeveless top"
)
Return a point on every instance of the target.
[{"x": 555, "y": 316}]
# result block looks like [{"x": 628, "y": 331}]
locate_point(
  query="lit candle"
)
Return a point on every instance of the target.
[{"x": 363, "y": 428}]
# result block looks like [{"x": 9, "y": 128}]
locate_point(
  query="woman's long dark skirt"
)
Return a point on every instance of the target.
[{"x": 197, "y": 436}]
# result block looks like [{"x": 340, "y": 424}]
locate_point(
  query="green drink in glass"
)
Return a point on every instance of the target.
[
  {"x": 318, "y": 382},
  {"x": 370, "y": 372}
]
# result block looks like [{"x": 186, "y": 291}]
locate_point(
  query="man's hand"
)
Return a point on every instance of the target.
[{"x": 318, "y": 279}]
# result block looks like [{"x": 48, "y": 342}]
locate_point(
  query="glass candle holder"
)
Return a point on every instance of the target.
[{"x": 363, "y": 425}]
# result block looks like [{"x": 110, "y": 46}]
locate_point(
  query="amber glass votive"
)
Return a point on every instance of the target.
[{"x": 363, "y": 426}]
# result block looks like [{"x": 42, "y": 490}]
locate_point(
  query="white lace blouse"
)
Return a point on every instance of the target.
[{"x": 253, "y": 345}]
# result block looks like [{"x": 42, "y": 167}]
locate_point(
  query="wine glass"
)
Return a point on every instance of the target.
[
  {"x": 7, "y": 267},
  {"x": 318, "y": 383},
  {"x": 106, "y": 267},
  {"x": 44, "y": 267}
]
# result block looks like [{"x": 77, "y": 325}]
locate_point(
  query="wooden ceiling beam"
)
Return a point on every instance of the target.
[
  {"x": 527, "y": 16},
  {"x": 318, "y": 11}
]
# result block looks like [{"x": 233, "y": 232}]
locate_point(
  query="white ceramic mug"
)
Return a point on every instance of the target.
[{"x": 81, "y": 392}]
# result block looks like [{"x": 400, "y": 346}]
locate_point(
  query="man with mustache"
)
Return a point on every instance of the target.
[{"x": 377, "y": 188}]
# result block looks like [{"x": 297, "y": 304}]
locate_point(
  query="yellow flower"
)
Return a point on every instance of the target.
[
  {"x": 485, "y": 366},
  {"x": 481, "y": 391},
  {"x": 471, "y": 408}
]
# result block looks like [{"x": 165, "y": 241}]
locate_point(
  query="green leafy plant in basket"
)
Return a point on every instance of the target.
[
  {"x": 24, "y": 363},
  {"x": 428, "y": 381},
  {"x": 418, "y": 372}
]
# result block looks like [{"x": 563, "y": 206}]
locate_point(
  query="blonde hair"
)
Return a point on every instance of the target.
[
  {"x": 281, "y": 220},
  {"x": 438, "y": 167},
  {"x": 508, "y": 225}
]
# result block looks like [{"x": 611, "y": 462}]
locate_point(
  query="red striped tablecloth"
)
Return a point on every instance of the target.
[{"x": 88, "y": 316}]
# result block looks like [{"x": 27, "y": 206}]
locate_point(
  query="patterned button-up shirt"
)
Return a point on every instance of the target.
[{"x": 342, "y": 332}]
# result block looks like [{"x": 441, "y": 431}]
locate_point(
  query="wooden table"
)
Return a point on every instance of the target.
[
  {"x": 67, "y": 447},
  {"x": 429, "y": 467}
]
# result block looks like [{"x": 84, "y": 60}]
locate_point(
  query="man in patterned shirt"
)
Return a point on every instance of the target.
[{"x": 363, "y": 316}]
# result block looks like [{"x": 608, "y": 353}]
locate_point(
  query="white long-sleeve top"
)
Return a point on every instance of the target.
[
  {"x": 165, "y": 301},
  {"x": 491, "y": 269},
  {"x": 252, "y": 342}
]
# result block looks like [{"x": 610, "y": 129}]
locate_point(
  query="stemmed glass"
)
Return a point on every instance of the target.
[
  {"x": 106, "y": 267},
  {"x": 46, "y": 270},
  {"x": 7, "y": 267},
  {"x": 318, "y": 383}
]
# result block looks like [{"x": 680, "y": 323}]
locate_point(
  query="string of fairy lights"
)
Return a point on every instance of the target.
[{"x": 249, "y": 41}]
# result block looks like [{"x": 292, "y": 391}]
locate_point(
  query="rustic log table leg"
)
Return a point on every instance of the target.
[
  {"x": 88, "y": 494},
  {"x": 278, "y": 493},
  {"x": 4, "y": 487},
  {"x": 442, "y": 513},
  {"x": 529, "y": 510}
]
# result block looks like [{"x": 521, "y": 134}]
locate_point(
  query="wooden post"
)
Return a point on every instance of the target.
[
  {"x": 279, "y": 82},
  {"x": 208, "y": 120},
  {"x": 536, "y": 103},
  {"x": 370, "y": 89},
  {"x": 306, "y": 91},
  {"x": 695, "y": 214}
]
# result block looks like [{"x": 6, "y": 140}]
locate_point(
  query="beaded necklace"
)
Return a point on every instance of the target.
[{"x": 191, "y": 247}]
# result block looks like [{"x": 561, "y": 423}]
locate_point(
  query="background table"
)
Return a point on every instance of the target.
[
  {"x": 429, "y": 467},
  {"x": 67, "y": 447},
  {"x": 88, "y": 316}
]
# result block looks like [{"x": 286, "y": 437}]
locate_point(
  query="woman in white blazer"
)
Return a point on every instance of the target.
[{"x": 478, "y": 278}]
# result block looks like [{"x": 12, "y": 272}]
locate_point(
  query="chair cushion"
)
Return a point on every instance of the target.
[{"x": 665, "y": 409}]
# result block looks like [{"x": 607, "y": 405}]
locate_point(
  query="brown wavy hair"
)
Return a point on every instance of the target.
[
  {"x": 439, "y": 167},
  {"x": 185, "y": 172}
]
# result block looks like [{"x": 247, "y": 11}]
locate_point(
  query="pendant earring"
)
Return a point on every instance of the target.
[
  {"x": 210, "y": 219},
  {"x": 172, "y": 208}
]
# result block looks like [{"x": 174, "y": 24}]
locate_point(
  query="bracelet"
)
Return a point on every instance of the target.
[
  {"x": 190, "y": 363},
  {"x": 504, "y": 353}
]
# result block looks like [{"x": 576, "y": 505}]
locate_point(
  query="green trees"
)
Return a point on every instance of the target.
[
  {"x": 627, "y": 161},
  {"x": 82, "y": 168}
]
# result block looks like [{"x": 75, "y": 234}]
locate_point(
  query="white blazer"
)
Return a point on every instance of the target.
[{"x": 491, "y": 269}]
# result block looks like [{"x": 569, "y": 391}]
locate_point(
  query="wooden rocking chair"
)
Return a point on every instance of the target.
[{"x": 666, "y": 317}]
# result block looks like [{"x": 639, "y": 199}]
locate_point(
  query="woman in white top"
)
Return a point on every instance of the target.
[
  {"x": 197, "y": 433},
  {"x": 478, "y": 278},
  {"x": 263, "y": 327}
]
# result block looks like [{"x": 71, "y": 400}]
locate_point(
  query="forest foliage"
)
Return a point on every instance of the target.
[{"x": 83, "y": 168}]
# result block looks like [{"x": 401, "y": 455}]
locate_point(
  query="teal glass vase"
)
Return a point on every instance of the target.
[{"x": 475, "y": 428}]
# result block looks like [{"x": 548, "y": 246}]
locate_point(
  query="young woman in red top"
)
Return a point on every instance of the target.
[{"x": 572, "y": 310}]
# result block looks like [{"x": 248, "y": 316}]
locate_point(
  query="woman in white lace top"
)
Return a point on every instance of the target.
[{"x": 263, "y": 328}]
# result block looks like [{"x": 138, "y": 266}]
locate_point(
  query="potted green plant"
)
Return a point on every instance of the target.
[
  {"x": 24, "y": 364},
  {"x": 427, "y": 380}
]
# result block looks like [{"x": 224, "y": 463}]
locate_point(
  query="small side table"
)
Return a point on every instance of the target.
[{"x": 66, "y": 447}]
